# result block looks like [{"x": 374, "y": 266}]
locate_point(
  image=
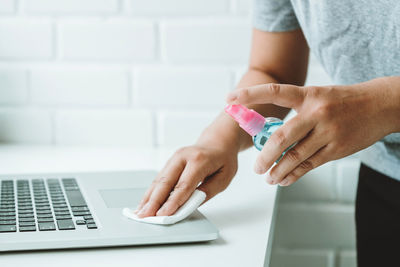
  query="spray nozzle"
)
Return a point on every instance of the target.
[{"x": 248, "y": 119}]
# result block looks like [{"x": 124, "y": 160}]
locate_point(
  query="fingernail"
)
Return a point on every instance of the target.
[
  {"x": 163, "y": 208},
  {"x": 258, "y": 169},
  {"x": 232, "y": 97},
  {"x": 143, "y": 210},
  {"x": 284, "y": 182},
  {"x": 269, "y": 179},
  {"x": 136, "y": 209}
]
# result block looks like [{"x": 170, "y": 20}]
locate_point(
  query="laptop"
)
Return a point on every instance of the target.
[{"x": 83, "y": 210}]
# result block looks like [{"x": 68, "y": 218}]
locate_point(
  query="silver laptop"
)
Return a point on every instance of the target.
[{"x": 59, "y": 211}]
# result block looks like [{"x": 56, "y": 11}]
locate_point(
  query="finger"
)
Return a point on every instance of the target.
[
  {"x": 192, "y": 175},
  {"x": 307, "y": 147},
  {"x": 284, "y": 95},
  {"x": 288, "y": 134},
  {"x": 162, "y": 188},
  {"x": 214, "y": 184},
  {"x": 149, "y": 191},
  {"x": 319, "y": 158}
]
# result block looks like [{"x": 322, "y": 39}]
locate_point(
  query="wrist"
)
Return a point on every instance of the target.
[
  {"x": 391, "y": 100},
  {"x": 224, "y": 133}
]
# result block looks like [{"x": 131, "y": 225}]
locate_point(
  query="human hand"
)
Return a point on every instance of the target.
[
  {"x": 331, "y": 122},
  {"x": 212, "y": 164}
]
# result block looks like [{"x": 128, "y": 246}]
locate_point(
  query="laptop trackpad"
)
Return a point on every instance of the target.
[{"x": 124, "y": 197}]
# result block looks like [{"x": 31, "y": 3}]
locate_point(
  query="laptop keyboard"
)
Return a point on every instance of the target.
[{"x": 43, "y": 205}]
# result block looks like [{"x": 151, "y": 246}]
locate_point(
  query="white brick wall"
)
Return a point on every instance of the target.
[
  {"x": 209, "y": 41},
  {"x": 114, "y": 39},
  {"x": 56, "y": 7},
  {"x": 80, "y": 86},
  {"x": 25, "y": 39},
  {"x": 178, "y": 7},
  {"x": 14, "y": 86},
  {"x": 182, "y": 87},
  {"x": 154, "y": 73}
]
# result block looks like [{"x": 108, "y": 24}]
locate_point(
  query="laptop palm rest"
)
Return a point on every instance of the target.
[{"x": 121, "y": 198}]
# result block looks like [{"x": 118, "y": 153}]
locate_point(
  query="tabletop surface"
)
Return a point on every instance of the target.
[{"x": 242, "y": 213}]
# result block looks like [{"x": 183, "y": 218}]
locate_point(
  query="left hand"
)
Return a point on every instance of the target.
[{"x": 331, "y": 122}]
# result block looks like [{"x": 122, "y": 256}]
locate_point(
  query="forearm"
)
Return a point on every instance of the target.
[{"x": 228, "y": 130}]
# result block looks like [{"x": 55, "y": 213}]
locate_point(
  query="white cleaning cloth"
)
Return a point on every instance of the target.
[{"x": 184, "y": 211}]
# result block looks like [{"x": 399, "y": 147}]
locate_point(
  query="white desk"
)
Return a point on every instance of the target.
[{"x": 242, "y": 213}]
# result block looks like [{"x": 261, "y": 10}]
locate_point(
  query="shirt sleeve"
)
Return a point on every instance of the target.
[{"x": 274, "y": 16}]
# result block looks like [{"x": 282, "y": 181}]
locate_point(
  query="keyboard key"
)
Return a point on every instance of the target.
[
  {"x": 2, "y": 214},
  {"x": 27, "y": 228},
  {"x": 65, "y": 225},
  {"x": 80, "y": 209},
  {"x": 63, "y": 213},
  {"x": 26, "y": 220},
  {"x": 45, "y": 220},
  {"x": 7, "y": 222},
  {"x": 43, "y": 212},
  {"x": 27, "y": 224},
  {"x": 92, "y": 226},
  {"x": 42, "y": 216},
  {"x": 63, "y": 217},
  {"x": 7, "y": 218},
  {"x": 20, "y": 212},
  {"x": 80, "y": 222},
  {"x": 8, "y": 228},
  {"x": 88, "y": 217},
  {"x": 28, "y": 215},
  {"x": 81, "y": 213},
  {"x": 47, "y": 226},
  {"x": 90, "y": 221},
  {"x": 75, "y": 198}
]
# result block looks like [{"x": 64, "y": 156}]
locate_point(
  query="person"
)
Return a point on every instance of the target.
[{"x": 358, "y": 44}]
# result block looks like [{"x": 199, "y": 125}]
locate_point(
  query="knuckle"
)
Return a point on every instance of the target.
[
  {"x": 243, "y": 94},
  {"x": 163, "y": 181},
  {"x": 313, "y": 91},
  {"x": 324, "y": 110},
  {"x": 198, "y": 155},
  {"x": 180, "y": 151},
  {"x": 306, "y": 166},
  {"x": 293, "y": 155},
  {"x": 273, "y": 88},
  {"x": 183, "y": 186},
  {"x": 279, "y": 138}
]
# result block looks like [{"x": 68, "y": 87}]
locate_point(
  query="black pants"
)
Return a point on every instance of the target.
[{"x": 377, "y": 219}]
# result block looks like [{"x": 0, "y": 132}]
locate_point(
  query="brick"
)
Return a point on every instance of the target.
[
  {"x": 177, "y": 129},
  {"x": 315, "y": 225},
  {"x": 70, "y": 6},
  {"x": 302, "y": 257},
  {"x": 107, "y": 40},
  {"x": 13, "y": 86},
  {"x": 347, "y": 258},
  {"x": 80, "y": 86},
  {"x": 210, "y": 41},
  {"x": 178, "y": 7},
  {"x": 181, "y": 87},
  {"x": 26, "y": 126},
  {"x": 104, "y": 127},
  {"x": 7, "y": 6},
  {"x": 347, "y": 170},
  {"x": 25, "y": 39},
  {"x": 317, "y": 185}
]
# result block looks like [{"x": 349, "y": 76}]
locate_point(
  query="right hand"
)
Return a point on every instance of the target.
[{"x": 211, "y": 164}]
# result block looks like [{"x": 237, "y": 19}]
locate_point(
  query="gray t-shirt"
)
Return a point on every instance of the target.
[{"x": 354, "y": 40}]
